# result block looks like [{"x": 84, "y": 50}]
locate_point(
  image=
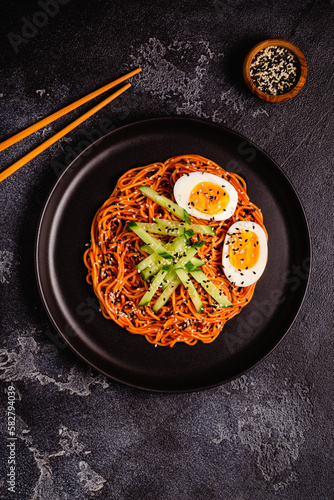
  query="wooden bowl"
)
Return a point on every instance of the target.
[{"x": 302, "y": 70}]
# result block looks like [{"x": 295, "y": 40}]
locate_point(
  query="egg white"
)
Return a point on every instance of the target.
[
  {"x": 185, "y": 184},
  {"x": 245, "y": 277}
]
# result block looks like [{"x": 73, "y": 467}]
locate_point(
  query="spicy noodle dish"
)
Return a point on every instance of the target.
[{"x": 176, "y": 250}]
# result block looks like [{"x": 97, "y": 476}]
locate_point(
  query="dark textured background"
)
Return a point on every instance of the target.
[{"x": 266, "y": 435}]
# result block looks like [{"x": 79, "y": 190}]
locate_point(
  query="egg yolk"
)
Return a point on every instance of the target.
[
  {"x": 244, "y": 249},
  {"x": 209, "y": 198}
]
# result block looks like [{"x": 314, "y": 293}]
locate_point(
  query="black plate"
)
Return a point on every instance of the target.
[{"x": 70, "y": 301}]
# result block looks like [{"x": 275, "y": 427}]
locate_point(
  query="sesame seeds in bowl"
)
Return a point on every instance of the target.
[{"x": 275, "y": 70}]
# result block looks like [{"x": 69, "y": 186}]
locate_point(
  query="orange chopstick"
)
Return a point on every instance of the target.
[
  {"x": 49, "y": 119},
  {"x": 42, "y": 147}
]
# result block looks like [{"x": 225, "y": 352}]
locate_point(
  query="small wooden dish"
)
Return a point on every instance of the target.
[{"x": 302, "y": 70}]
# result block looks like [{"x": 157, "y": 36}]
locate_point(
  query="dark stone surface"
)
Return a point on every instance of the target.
[{"x": 266, "y": 435}]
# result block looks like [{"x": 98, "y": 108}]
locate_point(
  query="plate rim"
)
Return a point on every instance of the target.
[{"x": 83, "y": 153}]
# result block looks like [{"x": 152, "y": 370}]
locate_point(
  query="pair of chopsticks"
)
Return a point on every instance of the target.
[{"x": 49, "y": 119}]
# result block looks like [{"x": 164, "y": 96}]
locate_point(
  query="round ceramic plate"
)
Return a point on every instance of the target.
[{"x": 71, "y": 304}]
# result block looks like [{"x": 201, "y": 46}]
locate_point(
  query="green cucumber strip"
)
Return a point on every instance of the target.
[
  {"x": 188, "y": 284},
  {"x": 202, "y": 229},
  {"x": 175, "y": 247},
  {"x": 153, "y": 267},
  {"x": 152, "y": 270},
  {"x": 193, "y": 264},
  {"x": 189, "y": 233},
  {"x": 156, "y": 282},
  {"x": 164, "y": 202},
  {"x": 180, "y": 249},
  {"x": 170, "y": 223},
  {"x": 175, "y": 230},
  {"x": 150, "y": 240},
  {"x": 189, "y": 266},
  {"x": 149, "y": 261},
  {"x": 153, "y": 257},
  {"x": 197, "y": 228},
  {"x": 210, "y": 288},
  {"x": 197, "y": 262},
  {"x": 146, "y": 248},
  {"x": 163, "y": 298},
  {"x": 152, "y": 227},
  {"x": 190, "y": 253},
  {"x": 178, "y": 245}
]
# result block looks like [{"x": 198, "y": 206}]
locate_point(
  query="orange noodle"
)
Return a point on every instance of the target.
[{"x": 114, "y": 252}]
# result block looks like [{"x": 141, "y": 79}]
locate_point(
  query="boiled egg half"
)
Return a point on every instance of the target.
[
  {"x": 206, "y": 196},
  {"x": 245, "y": 253}
]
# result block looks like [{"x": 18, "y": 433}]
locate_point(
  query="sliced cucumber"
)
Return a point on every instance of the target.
[
  {"x": 170, "y": 223},
  {"x": 163, "y": 298},
  {"x": 149, "y": 240},
  {"x": 176, "y": 228},
  {"x": 190, "y": 266},
  {"x": 156, "y": 282},
  {"x": 164, "y": 202},
  {"x": 190, "y": 253},
  {"x": 150, "y": 271},
  {"x": 189, "y": 286},
  {"x": 197, "y": 262},
  {"x": 152, "y": 227},
  {"x": 149, "y": 261},
  {"x": 189, "y": 233},
  {"x": 210, "y": 288},
  {"x": 146, "y": 248},
  {"x": 197, "y": 228},
  {"x": 178, "y": 246},
  {"x": 154, "y": 262},
  {"x": 202, "y": 229},
  {"x": 155, "y": 267}
]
